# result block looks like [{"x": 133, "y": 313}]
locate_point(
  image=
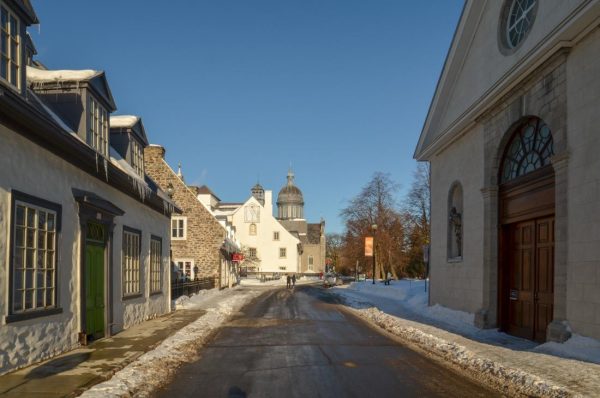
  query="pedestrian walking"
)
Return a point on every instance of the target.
[
  {"x": 288, "y": 281},
  {"x": 294, "y": 280},
  {"x": 389, "y": 278}
]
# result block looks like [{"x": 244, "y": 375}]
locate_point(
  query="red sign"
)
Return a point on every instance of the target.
[{"x": 238, "y": 257}]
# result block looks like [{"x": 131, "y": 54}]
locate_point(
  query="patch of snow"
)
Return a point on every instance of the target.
[
  {"x": 41, "y": 76},
  {"x": 137, "y": 181},
  {"x": 577, "y": 347},
  {"x": 155, "y": 368},
  {"x": 123, "y": 120}
]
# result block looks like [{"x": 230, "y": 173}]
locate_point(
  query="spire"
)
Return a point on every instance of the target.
[
  {"x": 179, "y": 174},
  {"x": 290, "y": 176}
]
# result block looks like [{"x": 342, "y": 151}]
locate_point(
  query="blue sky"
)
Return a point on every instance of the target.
[{"x": 236, "y": 90}]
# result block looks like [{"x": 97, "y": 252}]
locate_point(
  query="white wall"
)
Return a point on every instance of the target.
[
  {"x": 267, "y": 249},
  {"x": 583, "y": 104},
  {"x": 27, "y": 167},
  {"x": 458, "y": 284}
]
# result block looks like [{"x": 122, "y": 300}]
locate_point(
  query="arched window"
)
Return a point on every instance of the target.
[
  {"x": 529, "y": 149},
  {"x": 252, "y": 229},
  {"x": 455, "y": 222}
]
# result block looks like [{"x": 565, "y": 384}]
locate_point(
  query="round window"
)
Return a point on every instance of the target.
[{"x": 519, "y": 21}]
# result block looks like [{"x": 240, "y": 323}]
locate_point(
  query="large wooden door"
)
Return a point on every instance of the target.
[
  {"x": 530, "y": 277},
  {"x": 94, "y": 290}
]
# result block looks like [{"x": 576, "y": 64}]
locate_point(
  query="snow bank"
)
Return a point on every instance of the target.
[
  {"x": 577, "y": 347},
  {"x": 155, "y": 368},
  {"x": 40, "y": 75},
  {"x": 509, "y": 381}
]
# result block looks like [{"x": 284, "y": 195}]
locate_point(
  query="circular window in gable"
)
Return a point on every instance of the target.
[{"x": 517, "y": 20}]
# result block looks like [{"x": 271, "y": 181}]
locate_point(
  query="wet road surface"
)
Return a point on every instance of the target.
[{"x": 297, "y": 343}]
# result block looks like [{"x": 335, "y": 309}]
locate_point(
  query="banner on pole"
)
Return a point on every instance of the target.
[{"x": 369, "y": 246}]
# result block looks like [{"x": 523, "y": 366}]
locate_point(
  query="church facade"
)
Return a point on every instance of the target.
[{"x": 512, "y": 142}]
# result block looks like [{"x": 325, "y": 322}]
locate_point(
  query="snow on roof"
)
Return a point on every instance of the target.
[
  {"x": 41, "y": 75},
  {"x": 123, "y": 121}
]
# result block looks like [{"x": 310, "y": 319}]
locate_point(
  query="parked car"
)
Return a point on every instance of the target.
[{"x": 332, "y": 279}]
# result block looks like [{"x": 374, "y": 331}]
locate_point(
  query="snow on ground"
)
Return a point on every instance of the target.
[
  {"x": 513, "y": 365},
  {"x": 155, "y": 368},
  {"x": 278, "y": 282}
]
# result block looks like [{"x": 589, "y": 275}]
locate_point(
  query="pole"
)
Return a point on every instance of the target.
[
  {"x": 356, "y": 272},
  {"x": 373, "y": 256}
]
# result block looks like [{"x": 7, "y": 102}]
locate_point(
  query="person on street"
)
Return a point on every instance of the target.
[
  {"x": 294, "y": 280},
  {"x": 389, "y": 278},
  {"x": 288, "y": 281}
]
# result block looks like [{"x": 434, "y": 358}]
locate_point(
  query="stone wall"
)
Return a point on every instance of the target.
[{"x": 205, "y": 234}]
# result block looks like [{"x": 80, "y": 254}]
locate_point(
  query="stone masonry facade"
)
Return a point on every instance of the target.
[{"x": 204, "y": 235}]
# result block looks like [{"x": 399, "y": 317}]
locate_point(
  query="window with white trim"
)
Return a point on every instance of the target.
[
  {"x": 282, "y": 252},
  {"x": 97, "y": 132},
  {"x": 155, "y": 264},
  {"x": 311, "y": 261},
  {"x": 252, "y": 230},
  {"x": 178, "y": 228},
  {"x": 276, "y": 235},
  {"x": 137, "y": 157},
  {"x": 252, "y": 252},
  {"x": 33, "y": 266},
  {"x": 186, "y": 266},
  {"x": 131, "y": 262},
  {"x": 10, "y": 54}
]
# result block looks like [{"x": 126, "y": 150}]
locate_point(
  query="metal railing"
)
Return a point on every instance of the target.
[{"x": 187, "y": 288}]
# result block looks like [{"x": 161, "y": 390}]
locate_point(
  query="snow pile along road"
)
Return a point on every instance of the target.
[
  {"x": 509, "y": 381},
  {"x": 156, "y": 367}
]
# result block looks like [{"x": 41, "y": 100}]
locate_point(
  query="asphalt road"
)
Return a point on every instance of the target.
[{"x": 299, "y": 343}]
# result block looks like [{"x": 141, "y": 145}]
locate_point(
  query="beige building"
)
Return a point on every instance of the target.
[{"x": 512, "y": 139}]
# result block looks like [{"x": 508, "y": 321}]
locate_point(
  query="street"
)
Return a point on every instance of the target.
[{"x": 299, "y": 343}]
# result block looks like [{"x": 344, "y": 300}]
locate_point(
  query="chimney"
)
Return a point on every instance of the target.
[{"x": 269, "y": 202}]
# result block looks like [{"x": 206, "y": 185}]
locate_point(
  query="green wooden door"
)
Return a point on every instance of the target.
[{"x": 94, "y": 290}]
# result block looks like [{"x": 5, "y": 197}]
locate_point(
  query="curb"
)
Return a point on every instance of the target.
[{"x": 504, "y": 379}]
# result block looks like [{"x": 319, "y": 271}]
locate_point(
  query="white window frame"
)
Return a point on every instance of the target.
[
  {"x": 97, "y": 131},
  {"x": 155, "y": 265},
  {"x": 283, "y": 252},
  {"x": 30, "y": 270},
  {"x": 182, "y": 264},
  {"x": 14, "y": 46},
  {"x": 131, "y": 262},
  {"x": 252, "y": 249},
  {"x": 178, "y": 228},
  {"x": 276, "y": 235},
  {"x": 253, "y": 229},
  {"x": 311, "y": 262},
  {"x": 137, "y": 157}
]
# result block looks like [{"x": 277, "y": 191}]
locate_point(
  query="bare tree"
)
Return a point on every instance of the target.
[
  {"x": 334, "y": 249},
  {"x": 418, "y": 213},
  {"x": 375, "y": 204}
]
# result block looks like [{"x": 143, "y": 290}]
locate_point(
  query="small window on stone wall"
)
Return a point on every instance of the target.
[{"x": 455, "y": 222}]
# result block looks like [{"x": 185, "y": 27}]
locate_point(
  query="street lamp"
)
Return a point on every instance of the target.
[{"x": 374, "y": 228}]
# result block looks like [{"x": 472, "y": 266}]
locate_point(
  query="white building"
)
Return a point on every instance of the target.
[
  {"x": 512, "y": 138},
  {"x": 268, "y": 246},
  {"x": 84, "y": 235}
]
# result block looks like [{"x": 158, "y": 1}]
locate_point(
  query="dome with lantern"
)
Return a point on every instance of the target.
[{"x": 290, "y": 202}]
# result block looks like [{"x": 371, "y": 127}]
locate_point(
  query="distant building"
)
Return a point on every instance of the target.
[
  {"x": 290, "y": 213},
  {"x": 512, "y": 138},
  {"x": 200, "y": 245},
  {"x": 84, "y": 233}
]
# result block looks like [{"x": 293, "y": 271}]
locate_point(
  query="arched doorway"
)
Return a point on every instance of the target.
[{"x": 526, "y": 238}]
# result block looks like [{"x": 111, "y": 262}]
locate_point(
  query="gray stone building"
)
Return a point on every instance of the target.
[
  {"x": 290, "y": 213},
  {"x": 512, "y": 139}
]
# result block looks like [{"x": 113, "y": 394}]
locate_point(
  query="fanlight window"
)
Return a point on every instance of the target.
[{"x": 529, "y": 149}]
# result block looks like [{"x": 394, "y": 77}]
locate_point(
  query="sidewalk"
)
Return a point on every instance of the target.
[
  {"x": 511, "y": 364},
  {"x": 71, "y": 373}
]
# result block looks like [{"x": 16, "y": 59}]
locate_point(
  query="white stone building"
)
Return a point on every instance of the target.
[
  {"x": 84, "y": 235},
  {"x": 512, "y": 139}
]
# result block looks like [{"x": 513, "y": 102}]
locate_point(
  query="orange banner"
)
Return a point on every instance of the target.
[{"x": 369, "y": 246}]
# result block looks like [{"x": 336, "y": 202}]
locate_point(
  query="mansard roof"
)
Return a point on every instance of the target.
[
  {"x": 42, "y": 79},
  {"x": 131, "y": 124},
  {"x": 31, "y": 118}
]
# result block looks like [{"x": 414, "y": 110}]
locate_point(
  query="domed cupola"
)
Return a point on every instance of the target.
[{"x": 290, "y": 203}]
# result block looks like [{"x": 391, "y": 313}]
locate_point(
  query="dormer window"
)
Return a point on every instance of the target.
[
  {"x": 9, "y": 46},
  {"x": 97, "y": 133}
]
